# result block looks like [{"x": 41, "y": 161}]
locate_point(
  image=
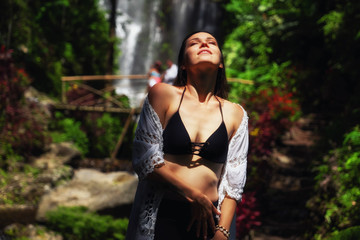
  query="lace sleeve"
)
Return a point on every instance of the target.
[
  {"x": 148, "y": 142},
  {"x": 234, "y": 175}
]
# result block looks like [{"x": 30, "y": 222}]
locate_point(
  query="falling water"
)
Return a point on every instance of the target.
[
  {"x": 137, "y": 28},
  {"x": 143, "y": 30},
  {"x": 190, "y": 15}
]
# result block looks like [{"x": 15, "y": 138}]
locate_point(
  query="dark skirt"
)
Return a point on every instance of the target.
[{"x": 173, "y": 219}]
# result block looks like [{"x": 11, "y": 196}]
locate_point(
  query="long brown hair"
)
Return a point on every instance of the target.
[{"x": 221, "y": 85}]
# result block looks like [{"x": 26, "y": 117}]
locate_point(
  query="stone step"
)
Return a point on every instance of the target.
[
  {"x": 263, "y": 236},
  {"x": 284, "y": 206},
  {"x": 284, "y": 159},
  {"x": 16, "y": 214},
  {"x": 289, "y": 183},
  {"x": 285, "y": 230}
]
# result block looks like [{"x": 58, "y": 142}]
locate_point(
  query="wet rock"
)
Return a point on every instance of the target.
[
  {"x": 92, "y": 189},
  {"x": 58, "y": 155}
]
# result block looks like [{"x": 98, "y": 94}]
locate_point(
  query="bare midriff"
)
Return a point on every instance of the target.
[{"x": 197, "y": 172}]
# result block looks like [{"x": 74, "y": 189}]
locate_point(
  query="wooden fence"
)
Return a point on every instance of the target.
[{"x": 112, "y": 104}]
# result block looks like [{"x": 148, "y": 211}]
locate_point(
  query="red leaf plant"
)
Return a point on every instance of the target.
[
  {"x": 247, "y": 215},
  {"x": 272, "y": 113},
  {"x": 19, "y": 125}
]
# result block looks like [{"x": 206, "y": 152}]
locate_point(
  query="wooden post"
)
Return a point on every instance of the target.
[
  {"x": 123, "y": 133},
  {"x": 63, "y": 94},
  {"x": 126, "y": 126}
]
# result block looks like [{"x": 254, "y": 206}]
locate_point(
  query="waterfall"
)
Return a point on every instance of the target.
[
  {"x": 137, "y": 28},
  {"x": 143, "y": 31},
  {"x": 195, "y": 15}
]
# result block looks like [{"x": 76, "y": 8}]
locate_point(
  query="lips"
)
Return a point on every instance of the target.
[{"x": 204, "y": 51}]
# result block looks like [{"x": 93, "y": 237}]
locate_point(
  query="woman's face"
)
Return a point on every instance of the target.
[{"x": 202, "y": 49}]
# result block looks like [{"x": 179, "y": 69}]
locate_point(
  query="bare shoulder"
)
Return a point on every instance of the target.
[
  {"x": 161, "y": 93},
  {"x": 160, "y": 97},
  {"x": 234, "y": 113}
]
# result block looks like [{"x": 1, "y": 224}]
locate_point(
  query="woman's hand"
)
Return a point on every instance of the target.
[
  {"x": 202, "y": 213},
  {"x": 219, "y": 236}
]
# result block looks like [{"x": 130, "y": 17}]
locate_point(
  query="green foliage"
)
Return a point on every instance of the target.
[
  {"x": 94, "y": 134},
  {"x": 8, "y": 158},
  {"x": 249, "y": 47},
  {"x": 352, "y": 233},
  {"x": 353, "y": 138},
  {"x": 68, "y": 129},
  {"x": 28, "y": 232},
  {"x": 56, "y": 38},
  {"x": 271, "y": 75},
  {"x": 76, "y": 223},
  {"x": 307, "y": 45},
  {"x": 339, "y": 177},
  {"x": 109, "y": 130},
  {"x": 332, "y": 23},
  {"x": 306, "y": 48},
  {"x": 125, "y": 101}
]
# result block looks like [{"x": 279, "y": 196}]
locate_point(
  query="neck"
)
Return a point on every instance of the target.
[{"x": 201, "y": 84}]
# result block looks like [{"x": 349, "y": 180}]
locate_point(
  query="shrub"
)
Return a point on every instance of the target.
[
  {"x": 22, "y": 126},
  {"x": 105, "y": 133},
  {"x": 76, "y": 223},
  {"x": 68, "y": 129},
  {"x": 272, "y": 113},
  {"x": 94, "y": 134},
  {"x": 338, "y": 184},
  {"x": 247, "y": 215},
  {"x": 352, "y": 233}
]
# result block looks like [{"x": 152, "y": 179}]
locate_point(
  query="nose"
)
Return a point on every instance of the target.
[{"x": 204, "y": 44}]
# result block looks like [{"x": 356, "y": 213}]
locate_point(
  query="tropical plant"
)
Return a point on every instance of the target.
[
  {"x": 77, "y": 223},
  {"x": 65, "y": 129},
  {"x": 338, "y": 184},
  {"x": 352, "y": 233},
  {"x": 249, "y": 46},
  {"x": 56, "y": 38},
  {"x": 248, "y": 216},
  {"x": 106, "y": 134},
  {"x": 22, "y": 125},
  {"x": 272, "y": 113}
]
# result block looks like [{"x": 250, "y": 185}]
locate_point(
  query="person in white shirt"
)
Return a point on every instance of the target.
[{"x": 171, "y": 73}]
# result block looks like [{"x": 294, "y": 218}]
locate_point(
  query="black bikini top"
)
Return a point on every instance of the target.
[{"x": 177, "y": 140}]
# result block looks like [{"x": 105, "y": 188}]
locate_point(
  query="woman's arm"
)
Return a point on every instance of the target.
[
  {"x": 227, "y": 212},
  {"x": 234, "y": 176},
  {"x": 228, "y": 208},
  {"x": 202, "y": 207}
]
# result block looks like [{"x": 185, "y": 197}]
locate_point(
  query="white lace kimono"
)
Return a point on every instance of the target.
[{"x": 148, "y": 152}]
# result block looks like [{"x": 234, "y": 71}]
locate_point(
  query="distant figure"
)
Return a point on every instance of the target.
[
  {"x": 154, "y": 74},
  {"x": 170, "y": 73}
]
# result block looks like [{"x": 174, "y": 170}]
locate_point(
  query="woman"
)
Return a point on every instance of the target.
[
  {"x": 154, "y": 74},
  {"x": 190, "y": 151}
]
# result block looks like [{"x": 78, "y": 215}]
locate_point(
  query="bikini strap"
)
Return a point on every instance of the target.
[
  {"x": 222, "y": 116},
  {"x": 182, "y": 96}
]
